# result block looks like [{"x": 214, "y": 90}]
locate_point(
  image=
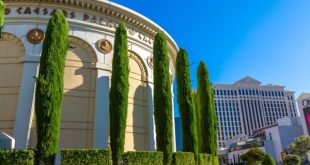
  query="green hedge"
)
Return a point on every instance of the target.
[
  {"x": 143, "y": 158},
  {"x": 16, "y": 157},
  {"x": 292, "y": 159},
  {"x": 86, "y": 156},
  {"x": 207, "y": 159},
  {"x": 181, "y": 158}
]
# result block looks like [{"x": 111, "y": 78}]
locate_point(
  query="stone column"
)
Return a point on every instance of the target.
[
  {"x": 173, "y": 123},
  {"x": 101, "y": 123},
  {"x": 25, "y": 105},
  {"x": 152, "y": 132}
]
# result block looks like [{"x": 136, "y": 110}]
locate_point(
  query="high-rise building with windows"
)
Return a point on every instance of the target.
[{"x": 247, "y": 105}]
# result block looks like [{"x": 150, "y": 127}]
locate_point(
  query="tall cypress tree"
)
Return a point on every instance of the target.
[
  {"x": 208, "y": 122},
  {"x": 119, "y": 93},
  {"x": 2, "y": 8},
  {"x": 186, "y": 104},
  {"x": 162, "y": 97},
  {"x": 49, "y": 87},
  {"x": 197, "y": 117}
]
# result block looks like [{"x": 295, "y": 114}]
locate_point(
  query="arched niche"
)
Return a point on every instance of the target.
[
  {"x": 137, "y": 125},
  {"x": 78, "y": 106},
  {"x": 11, "y": 51}
]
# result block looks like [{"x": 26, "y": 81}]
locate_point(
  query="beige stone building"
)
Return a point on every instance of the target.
[{"x": 85, "y": 115}]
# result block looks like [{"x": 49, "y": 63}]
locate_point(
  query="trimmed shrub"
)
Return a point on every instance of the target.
[
  {"x": 86, "y": 156},
  {"x": 207, "y": 159},
  {"x": 253, "y": 156},
  {"x": 268, "y": 160},
  {"x": 186, "y": 104},
  {"x": 49, "y": 88},
  {"x": 292, "y": 159},
  {"x": 182, "y": 158},
  {"x": 16, "y": 157},
  {"x": 142, "y": 158},
  {"x": 119, "y": 93},
  {"x": 162, "y": 97},
  {"x": 207, "y": 115}
]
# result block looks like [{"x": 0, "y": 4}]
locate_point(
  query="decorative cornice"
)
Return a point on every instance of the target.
[
  {"x": 108, "y": 9},
  {"x": 35, "y": 36}
]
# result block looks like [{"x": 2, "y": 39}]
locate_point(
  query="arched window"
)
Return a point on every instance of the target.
[
  {"x": 11, "y": 51},
  {"x": 78, "y": 106},
  {"x": 137, "y": 127}
]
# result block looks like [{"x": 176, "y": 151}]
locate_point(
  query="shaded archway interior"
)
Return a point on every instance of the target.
[
  {"x": 78, "y": 107},
  {"x": 11, "y": 51},
  {"x": 137, "y": 126}
]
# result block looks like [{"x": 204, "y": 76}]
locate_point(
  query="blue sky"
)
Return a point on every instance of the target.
[{"x": 266, "y": 39}]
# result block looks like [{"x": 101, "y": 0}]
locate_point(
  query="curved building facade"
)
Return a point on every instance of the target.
[{"x": 88, "y": 67}]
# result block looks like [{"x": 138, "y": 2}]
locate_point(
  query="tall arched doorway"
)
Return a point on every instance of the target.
[
  {"x": 137, "y": 126},
  {"x": 78, "y": 106},
  {"x": 11, "y": 51}
]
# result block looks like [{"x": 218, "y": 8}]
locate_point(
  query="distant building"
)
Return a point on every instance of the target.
[
  {"x": 247, "y": 105},
  {"x": 280, "y": 136},
  {"x": 223, "y": 156},
  {"x": 273, "y": 139},
  {"x": 304, "y": 110}
]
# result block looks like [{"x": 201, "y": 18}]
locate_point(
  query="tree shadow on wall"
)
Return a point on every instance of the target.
[
  {"x": 142, "y": 114},
  {"x": 73, "y": 109}
]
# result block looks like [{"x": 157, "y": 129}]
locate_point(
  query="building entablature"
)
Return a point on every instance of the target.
[
  {"x": 91, "y": 20},
  {"x": 87, "y": 71}
]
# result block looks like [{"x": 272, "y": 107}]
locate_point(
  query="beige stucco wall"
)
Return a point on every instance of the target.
[
  {"x": 85, "y": 110},
  {"x": 77, "y": 116},
  {"x": 77, "y": 120},
  {"x": 11, "y": 50},
  {"x": 137, "y": 129}
]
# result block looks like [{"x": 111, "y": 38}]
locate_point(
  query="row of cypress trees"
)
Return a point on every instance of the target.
[
  {"x": 119, "y": 96},
  {"x": 198, "y": 118},
  {"x": 162, "y": 95},
  {"x": 49, "y": 92},
  {"x": 49, "y": 95}
]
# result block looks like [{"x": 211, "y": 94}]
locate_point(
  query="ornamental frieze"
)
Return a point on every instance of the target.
[
  {"x": 104, "y": 46},
  {"x": 150, "y": 61},
  {"x": 35, "y": 36},
  {"x": 132, "y": 32},
  {"x": 7, "y": 11},
  {"x": 95, "y": 19}
]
